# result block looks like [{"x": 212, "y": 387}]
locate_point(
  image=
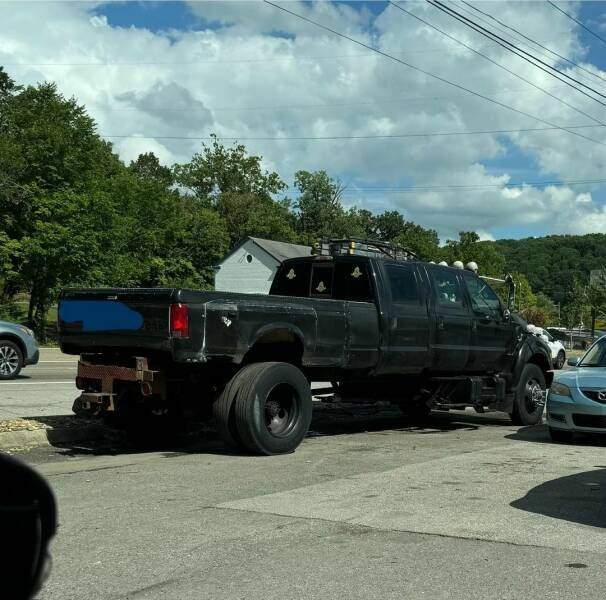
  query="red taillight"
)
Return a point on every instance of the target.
[{"x": 179, "y": 320}]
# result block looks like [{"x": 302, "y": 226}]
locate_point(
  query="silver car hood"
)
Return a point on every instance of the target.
[{"x": 583, "y": 377}]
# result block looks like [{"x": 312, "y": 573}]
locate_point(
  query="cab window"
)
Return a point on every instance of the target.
[
  {"x": 483, "y": 299},
  {"x": 292, "y": 279},
  {"x": 321, "y": 281},
  {"x": 403, "y": 284},
  {"x": 352, "y": 281},
  {"x": 447, "y": 288}
]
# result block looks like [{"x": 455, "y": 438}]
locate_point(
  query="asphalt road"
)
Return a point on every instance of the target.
[
  {"x": 368, "y": 507},
  {"x": 45, "y": 389}
]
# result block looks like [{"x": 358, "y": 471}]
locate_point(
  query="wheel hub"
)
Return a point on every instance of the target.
[
  {"x": 276, "y": 416},
  {"x": 535, "y": 396},
  {"x": 9, "y": 360}
]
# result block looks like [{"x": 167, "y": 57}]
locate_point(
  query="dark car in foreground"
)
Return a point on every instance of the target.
[
  {"x": 378, "y": 324},
  {"x": 18, "y": 348}
]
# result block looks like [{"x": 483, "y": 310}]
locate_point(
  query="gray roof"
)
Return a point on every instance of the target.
[{"x": 281, "y": 250}]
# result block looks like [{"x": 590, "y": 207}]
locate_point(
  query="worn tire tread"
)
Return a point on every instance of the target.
[{"x": 223, "y": 410}]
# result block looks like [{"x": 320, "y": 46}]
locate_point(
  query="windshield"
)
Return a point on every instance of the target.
[{"x": 596, "y": 355}]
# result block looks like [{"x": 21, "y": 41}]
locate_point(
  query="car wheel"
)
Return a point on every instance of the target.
[
  {"x": 560, "y": 436},
  {"x": 560, "y": 360},
  {"x": 273, "y": 408},
  {"x": 223, "y": 410},
  {"x": 529, "y": 396},
  {"x": 11, "y": 360}
]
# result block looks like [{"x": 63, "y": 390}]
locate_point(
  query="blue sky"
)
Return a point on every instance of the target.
[{"x": 312, "y": 73}]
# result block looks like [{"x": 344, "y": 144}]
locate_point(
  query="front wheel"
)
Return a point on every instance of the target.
[
  {"x": 529, "y": 396},
  {"x": 11, "y": 360},
  {"x": 273, "y": 408},
  {"x": 560, "y": 360}
]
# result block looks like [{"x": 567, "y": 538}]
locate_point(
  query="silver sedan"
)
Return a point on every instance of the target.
[{"x": 577, "y": 398}]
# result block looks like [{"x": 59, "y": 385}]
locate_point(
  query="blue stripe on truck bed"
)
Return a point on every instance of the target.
[{"x": 98, "y": 315}]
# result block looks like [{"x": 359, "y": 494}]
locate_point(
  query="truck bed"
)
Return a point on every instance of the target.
[{"x": 222, "y": 325}]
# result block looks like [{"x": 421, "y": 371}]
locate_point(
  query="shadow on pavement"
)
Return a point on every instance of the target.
[
  {"x": 540, "y": 435},
  {"x": 329, "y": 420},
  {"x": 579, "y": 498}
]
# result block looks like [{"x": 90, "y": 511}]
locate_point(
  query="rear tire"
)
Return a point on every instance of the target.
[
  {"x": 223, "y": 411},
  {"x": 527, "y": 410},
  {"x": 559, "y": 436},
  {"x": 273, "y": 408},
  {"x": 11, "y": 360},
  {"x": 560, "y": 360}
]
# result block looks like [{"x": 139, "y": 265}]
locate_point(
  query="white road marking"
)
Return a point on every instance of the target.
[
  {"x": 36, "y": 383},
  {"x": 67, "y": 362}
]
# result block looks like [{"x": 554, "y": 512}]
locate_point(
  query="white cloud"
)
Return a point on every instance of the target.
[{"x": 242, "y": 80}]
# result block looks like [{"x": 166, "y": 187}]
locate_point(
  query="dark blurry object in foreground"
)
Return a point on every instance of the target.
[{"x": 28, "y": 521}]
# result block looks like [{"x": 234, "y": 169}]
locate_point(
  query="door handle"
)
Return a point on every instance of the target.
[{"x": 441, "y": 325}]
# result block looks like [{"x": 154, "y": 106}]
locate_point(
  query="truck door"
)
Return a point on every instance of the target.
[
  {"x": 452, "y": 321},
  {"x": 353, "y": 283},
  {"x": 492, "y": 336},
  {"x": 408, "y": 341}
]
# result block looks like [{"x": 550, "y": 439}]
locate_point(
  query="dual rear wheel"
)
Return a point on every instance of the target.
[{"x": 265, "y": 408}]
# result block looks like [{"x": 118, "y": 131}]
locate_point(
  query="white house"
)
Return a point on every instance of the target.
[{"x": 250, "y": 267}]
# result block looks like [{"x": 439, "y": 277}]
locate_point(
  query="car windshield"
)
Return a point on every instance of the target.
[{"x": 596, "y": 355}]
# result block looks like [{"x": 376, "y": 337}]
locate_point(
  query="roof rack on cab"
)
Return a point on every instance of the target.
[{"x": 361, "y": 247}]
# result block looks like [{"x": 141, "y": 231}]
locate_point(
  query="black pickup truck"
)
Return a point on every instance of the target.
[{"x": 417, "y": 334}]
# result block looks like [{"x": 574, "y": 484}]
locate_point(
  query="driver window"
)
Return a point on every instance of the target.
[
  {"x": 447, "y": 288},
  {"x": 483, "y": 299}
]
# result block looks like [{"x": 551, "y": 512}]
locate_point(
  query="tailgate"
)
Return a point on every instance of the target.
[{"x": 92, "y": 319}]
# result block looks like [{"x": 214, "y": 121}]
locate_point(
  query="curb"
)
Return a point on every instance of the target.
[{"x": 51, "y": 436}]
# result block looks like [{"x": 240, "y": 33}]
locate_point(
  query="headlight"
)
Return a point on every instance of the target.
[
  {"x": 560, "y": 389},
  {"x": 26, "y": 330}
]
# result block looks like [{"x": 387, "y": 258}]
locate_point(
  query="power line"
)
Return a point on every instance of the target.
[
  {"x": 494, "y": 62},
  {"x": 429, "y": 74},
  {"x": 533, "y": 41},
  {"x": 345, "y": 137},
  {"x": 593, "y": 33},
  {"x": 517, "y": 51}
]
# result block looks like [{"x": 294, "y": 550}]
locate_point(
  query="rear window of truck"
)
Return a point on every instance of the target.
[
  {"x": 292, "y": 280},
  {"x": 341, "y": 280}
]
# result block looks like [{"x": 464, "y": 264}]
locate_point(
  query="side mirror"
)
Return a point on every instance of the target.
[
  {"x": 507, "y": 314},
  {"x": 573, "y": 361}
]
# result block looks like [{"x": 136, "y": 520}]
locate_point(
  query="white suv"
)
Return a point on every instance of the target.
[{"x": 558, "y": 352}]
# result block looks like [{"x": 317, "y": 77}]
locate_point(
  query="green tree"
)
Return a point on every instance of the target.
[
  {"x": 318, "y": 207},
  {"x": 248, "y": 214},
  {"x": 49, "y": 148},
  {"x": 423, "y": 242},
  {"x": 219, "y": 170},
  {"x": 147, "y": 166},
  {"x": 469, "y": 248}
]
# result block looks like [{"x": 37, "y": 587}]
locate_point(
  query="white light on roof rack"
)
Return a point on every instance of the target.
[
  {"x": 457, "y": 264},
  {"x": 443, "y": 263}
]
